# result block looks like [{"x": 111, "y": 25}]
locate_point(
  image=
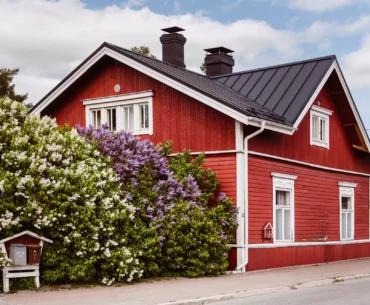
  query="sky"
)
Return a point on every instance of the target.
[{"x": 46, "y": 39}]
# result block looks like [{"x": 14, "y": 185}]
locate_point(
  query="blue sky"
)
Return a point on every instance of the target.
[
  {"x": 59, "y": 34},
  {"x": 275, "y": 12}
]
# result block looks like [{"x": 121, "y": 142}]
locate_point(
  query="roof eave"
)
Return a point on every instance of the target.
[
  {"x": 106, "y": 50},
  {"x": 335, "y": 67}
]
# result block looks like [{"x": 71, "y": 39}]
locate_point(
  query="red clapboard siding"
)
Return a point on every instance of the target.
[
  {"x": 188, "y": 123},
  {"x": 297, "y": 147},
  {"x": 225, "y": 167},
  {"x": 290, "y": 256},
  {"x": 316, "y": 200}
]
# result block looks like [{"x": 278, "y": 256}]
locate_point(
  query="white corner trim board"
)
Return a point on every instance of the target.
[
  {"x": 256, "y": 153},
  {"x": 240, "y": 193}
]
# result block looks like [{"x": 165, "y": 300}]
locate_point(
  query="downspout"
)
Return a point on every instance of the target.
[{"x": 245, "y": 210}]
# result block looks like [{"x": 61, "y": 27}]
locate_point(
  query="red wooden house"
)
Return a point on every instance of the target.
[{"x": 287, "y": 141}]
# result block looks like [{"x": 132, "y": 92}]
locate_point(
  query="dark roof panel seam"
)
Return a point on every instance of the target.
[
  {"x": 301, "y": 86},
  {"x": 249, "y": 75},
  {"x": 236, "y": 79},
  {"x": 311, "y": 93},
  {"x": 256, "y": 82},
  {"x": 264, "y": 87},
  {"x": 288, "y": 87},
  {"x": 277, "y": 84}
]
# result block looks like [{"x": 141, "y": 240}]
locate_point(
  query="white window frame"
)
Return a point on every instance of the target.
[
  {"x": 322, "y": 114},
  {"x": 347, "y": 189},
  {"x": 283, "y": 182},
  {"x": 119, "y": 102}
]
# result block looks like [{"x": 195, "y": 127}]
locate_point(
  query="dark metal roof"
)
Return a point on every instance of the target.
[
  {"x": 284, "y": 89},
  {"x": 277, "y": 94},
  {"x": 204, "y": 85}
]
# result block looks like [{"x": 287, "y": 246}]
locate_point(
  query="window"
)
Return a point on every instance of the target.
[
  {"x": 112, "y": 119},
  {"x": 128, "y": 118},
  {"x": 144, "y": 116},
  {"x": 283, "y": 207},
  {"x": 320, "y": 126},
  {"x": 96, "y": 118},
  {"x": 130, "y": 112},
  {"x": 346, "y": 202}
]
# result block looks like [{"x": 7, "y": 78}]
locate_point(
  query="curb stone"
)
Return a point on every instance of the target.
[{"x": 246, "y": 293}]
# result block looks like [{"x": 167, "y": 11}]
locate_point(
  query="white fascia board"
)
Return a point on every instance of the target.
[
  {"x": 163, "y": 79},
  {"x": 26, "y": 233},
  {"x": 353, "y": 105},
  {"x": 314, "y": 96},
  {"x": 178, "y": 86},
  {"x": 271, "y": 126},
  {"x": 335, "y": 67},
  {"x": 68, "y": 82}
]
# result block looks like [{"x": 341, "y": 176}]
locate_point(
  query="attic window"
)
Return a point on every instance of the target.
[
  {"x": 129, "y": 112},
  {"x": 320, "y": 125}
]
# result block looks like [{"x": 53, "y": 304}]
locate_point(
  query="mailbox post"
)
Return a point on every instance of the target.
[{"x": 24, "y": 250}]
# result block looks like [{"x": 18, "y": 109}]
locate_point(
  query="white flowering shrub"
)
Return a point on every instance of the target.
[{"x": 55, "y": 183}]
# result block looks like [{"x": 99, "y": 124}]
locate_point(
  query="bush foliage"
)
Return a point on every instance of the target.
[
  {"x": 190, "y": 228},
  {"x": 55, "y": 183},
  {"x": 116, "y": 207}
]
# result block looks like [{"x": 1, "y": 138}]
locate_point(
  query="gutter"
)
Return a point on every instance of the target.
[{"x": 245, "y": 210}]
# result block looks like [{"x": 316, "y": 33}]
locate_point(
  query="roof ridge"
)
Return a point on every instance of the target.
[
  {"x": 333, "y": 56},
  {"x": 255, "y": 105},
  {"x": 156, "y": 59}
]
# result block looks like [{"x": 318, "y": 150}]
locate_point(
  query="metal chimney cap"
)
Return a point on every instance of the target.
[
  {"x": 219, "y": 50},
  {"x": 173, "y": 29}
]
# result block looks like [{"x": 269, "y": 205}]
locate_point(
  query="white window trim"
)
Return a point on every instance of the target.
[
  {"x": 323, "y": 114},
  {"x": 347, "y": 189},
  {"x": 119, "y": 101},
  {"x": 283, "y": 182}
]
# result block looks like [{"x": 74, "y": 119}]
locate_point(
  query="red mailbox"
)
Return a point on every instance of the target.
[{"x": 33, "y": 254}]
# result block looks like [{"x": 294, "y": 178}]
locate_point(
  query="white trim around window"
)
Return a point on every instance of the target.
[
  {"x": 131, "y": 112},
  {"x": 283, "y": 207},
  {"x": 320, "y": 126},
  {"x": 347, "y": 210}
]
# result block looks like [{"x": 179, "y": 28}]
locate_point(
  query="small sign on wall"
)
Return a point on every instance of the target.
[{"x": 267, "y": 231}]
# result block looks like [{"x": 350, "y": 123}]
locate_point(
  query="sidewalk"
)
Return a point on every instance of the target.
[{"x": 192, "y": 291}]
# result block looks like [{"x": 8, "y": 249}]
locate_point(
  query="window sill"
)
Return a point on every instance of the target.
[
  {"x": 347, "y": 239},
  {"x": 319, "y": 144},
  {"x": 142, "y": 132}
]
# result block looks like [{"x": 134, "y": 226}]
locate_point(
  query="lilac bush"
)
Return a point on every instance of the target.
[{"x": 162, "y": 191}]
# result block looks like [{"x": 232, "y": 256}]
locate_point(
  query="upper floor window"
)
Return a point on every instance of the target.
[
  {"x": 283, "y": 207},
  {"x": 347, "y": 211},
  {"x": 130, "y": 112},
  {"x": 320, "y": 125}
]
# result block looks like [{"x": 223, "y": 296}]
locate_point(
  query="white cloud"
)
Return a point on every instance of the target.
[
  {"x": 357, "y": 65},
  {"x": 47, "y": 39},
  {"x": 319, "y": 5}
]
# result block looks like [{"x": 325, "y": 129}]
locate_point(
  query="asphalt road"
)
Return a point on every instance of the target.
[{"x": 352, "y": 292}]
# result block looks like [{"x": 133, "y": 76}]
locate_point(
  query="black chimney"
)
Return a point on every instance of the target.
[
  {"x": 218, "y": 61},
  {"x": 173, "y": 46}
]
